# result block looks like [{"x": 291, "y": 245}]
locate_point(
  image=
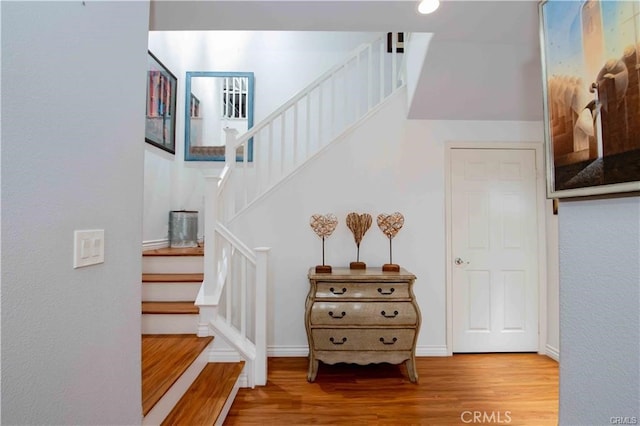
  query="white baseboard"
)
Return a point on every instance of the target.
[
  {"x": 553, "y": 353},
  {"x": 163, "y": 243},
  {"x": 288, "y": 351},
  {"x": 155, "y": 244},
  {"x": 243, "y": 379},
  {"x": 432, "y": 350}
]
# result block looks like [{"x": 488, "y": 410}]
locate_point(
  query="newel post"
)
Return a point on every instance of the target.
[
  {"x": 262, "y": 282},
  {"x": 210, "y": 285},
  {"x": 230, "y": 147}
]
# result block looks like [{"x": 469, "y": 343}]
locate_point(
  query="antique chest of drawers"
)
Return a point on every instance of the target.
[{"x": 362, "y": 316}]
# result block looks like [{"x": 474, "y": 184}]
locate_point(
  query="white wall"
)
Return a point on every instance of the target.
[
  {"x": 553, "y": 284},
  {"x": 391, "y": 164},
  {"x": 599, "y": 310},
  {"x": 416, "y": 54},
  {"x": 73, "y": 78},
  {"x": 283, "y": 63}
]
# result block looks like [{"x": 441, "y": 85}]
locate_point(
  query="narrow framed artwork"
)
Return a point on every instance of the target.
[
  {"x": 160, "y": 129},
  {"x": 591, "y": 73}
]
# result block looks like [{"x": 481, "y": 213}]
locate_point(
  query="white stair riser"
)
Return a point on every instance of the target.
[
  {"x": 172, "y": 265},
  {"x": 169, "y": 323},
  {"x": 170, "y": 292}
]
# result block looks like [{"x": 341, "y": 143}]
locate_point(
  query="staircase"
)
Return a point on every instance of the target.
[
  {"x": 179, "y": 383},
  {"x": 171, "y": 280},
  {"x": 231, "y": 302}
]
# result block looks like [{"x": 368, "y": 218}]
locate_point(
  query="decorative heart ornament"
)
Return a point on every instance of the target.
[
  {"x": 323, "y": 225},
  {"x": 390, "y": 224},
  {"x": 359, "y": 224}
]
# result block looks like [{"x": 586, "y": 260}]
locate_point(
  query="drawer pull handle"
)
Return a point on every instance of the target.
[
  {"x": 335, "y": 316},
  {"x": 391, "y": 290},
  {"x": 384, "y": 314},
  {"x": 334, "y": 291},
  {"x": 344, "y": 339},
  {"x": 394, "y": 340}
]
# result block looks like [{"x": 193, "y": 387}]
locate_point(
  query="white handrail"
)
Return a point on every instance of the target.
[
  {"x": 310, "y": 120},
  {"x": 296, "y": 98},
  {"x": 235, "y": 242}
]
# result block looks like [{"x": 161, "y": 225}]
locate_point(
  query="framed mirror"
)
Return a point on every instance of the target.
[{"x": 214, "y": 101}]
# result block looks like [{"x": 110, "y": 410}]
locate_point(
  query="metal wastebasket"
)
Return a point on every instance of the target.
[{"x": 183, "y": 228}]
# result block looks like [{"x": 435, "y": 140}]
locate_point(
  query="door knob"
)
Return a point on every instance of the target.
[{"x": 459, "y": 261}]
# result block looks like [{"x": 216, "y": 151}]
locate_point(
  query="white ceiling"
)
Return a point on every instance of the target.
[{"x": 483, "y": 61}]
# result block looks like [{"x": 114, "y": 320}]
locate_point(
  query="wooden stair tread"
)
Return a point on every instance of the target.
[
  {"x": 204, "y": 400},
  {"x": 165, "y": 357},
  {"x": 172, "y": 278},
  {"x": 169, "y": 308},
  {"x": 173, "y": 251}
]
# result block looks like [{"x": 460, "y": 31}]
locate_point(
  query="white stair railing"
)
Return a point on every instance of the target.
[
  {"x": 287, "y": 138},
  {"x": 233, "y": 295}
]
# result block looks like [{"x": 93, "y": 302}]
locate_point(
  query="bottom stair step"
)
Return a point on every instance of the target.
[
  {"x": 164, "y": 359},
  {"x": 210, "y": 395}
]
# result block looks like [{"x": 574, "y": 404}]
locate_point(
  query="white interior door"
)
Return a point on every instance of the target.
[{"x": 494, "y": 250}]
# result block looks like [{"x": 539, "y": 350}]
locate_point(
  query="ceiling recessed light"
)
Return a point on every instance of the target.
[{"x": 428, "y": 6}]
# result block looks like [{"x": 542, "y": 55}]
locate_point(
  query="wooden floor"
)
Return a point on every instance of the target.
[
  {"x": 164, "y": 358},
  {"x": 514, "y": 389}
]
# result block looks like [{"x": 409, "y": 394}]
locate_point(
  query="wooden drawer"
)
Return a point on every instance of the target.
[
  {"x": 362, "y": 290},
  {"x": 363, "y": 313},
  {"x": 376, "y": 339}
]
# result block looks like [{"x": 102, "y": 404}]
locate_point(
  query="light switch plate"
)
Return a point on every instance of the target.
[{"x": 88, "y": 247}]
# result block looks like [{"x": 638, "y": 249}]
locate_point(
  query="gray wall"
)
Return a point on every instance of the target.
[
  {"x": 73, "y": 89},
  {"x": 599, "y": 310}
]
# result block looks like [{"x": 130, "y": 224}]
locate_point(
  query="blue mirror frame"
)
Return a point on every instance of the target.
[{"x": 188, "y": 154}]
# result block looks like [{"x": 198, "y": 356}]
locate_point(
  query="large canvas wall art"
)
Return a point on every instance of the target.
[{"x": 591, "y": 74}]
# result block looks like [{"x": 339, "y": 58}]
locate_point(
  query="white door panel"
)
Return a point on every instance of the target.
[{"x": 494, "y": 247}]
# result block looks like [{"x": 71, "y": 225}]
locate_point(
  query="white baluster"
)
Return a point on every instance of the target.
[
  {"x": 369, "y": 76},
  {"x": 210, "y": 285},
  {"x": 356, "y": 84},
  {"x": 243, "y": 296},
  {"x": 283, "y": 143},
  {"x": 230, "y": 148},
  {"x": 231, "y": 279},
  {"x": 394, "y": 56},
  {"x": 260, "y": 318},
  {"x": 382, "y": 73},
  {"x": 270, "y": 154},
  {"x": 295, "y": 135},
  {"x": 307, "y": 152}
]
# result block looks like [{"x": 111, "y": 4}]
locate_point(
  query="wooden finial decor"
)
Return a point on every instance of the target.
[
  {"x": 323, "y": 226},
  {"x": 359, "y": 224},
  {"x": 390, "y": 224}
]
